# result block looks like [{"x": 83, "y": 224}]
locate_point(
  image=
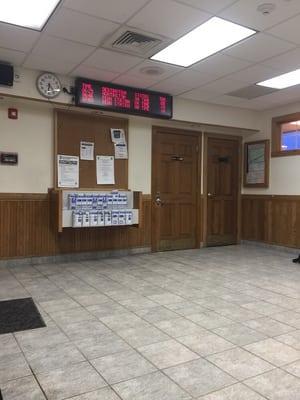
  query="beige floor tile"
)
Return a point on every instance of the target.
[
  {"x": 276, "y": 385},
  {"x": 274, "y": 352},
  {"x": 199, "y": 377},
  {"x": 122, "y": 366},
  {"x": 150, "y": 387},
  {"x": 240, "y": 363},
  {"x": 234, "y": 392},
  {"x": 168, "y": 353}
]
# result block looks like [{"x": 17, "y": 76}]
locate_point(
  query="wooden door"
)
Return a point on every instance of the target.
[
  {"x": 174, "y": 190},
  {"x": 222, "y": 191}
]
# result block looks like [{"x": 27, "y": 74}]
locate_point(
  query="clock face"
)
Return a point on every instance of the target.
[{"x": 48, "y": 85}]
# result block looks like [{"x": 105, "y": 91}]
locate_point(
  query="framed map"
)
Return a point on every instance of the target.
[{"x": 256, "y": 164}]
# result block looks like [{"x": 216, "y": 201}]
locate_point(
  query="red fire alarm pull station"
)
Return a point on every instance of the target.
[{"x": 12, "y": 113}]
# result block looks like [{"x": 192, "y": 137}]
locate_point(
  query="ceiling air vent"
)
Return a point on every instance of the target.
[{"x": 134, "y": 42}]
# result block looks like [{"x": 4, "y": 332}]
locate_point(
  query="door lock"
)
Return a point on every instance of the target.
[{"x": 158, "y": 200}]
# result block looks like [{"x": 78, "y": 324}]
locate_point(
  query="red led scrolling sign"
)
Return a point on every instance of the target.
[{"x": 107, "y": 96}]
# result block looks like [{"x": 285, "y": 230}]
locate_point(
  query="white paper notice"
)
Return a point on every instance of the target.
[
  {"x": 87, "y": 150},
  {"x": 67, "y": 171},
  {"x": 118, "y": 136},
  {"x": 121, "y": 151},
  {"x": 105, "y": 170}
]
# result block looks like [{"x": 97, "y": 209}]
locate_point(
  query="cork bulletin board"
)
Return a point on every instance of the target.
[{"x": 71, "y": 128}]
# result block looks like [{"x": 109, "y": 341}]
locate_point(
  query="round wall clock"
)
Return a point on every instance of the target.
[{"x": 48, "y": 85}]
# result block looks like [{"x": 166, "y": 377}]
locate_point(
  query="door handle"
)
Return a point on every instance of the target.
[
  {"x": 158, "y": 200},
  {"x": 177, "y": 158},
  {"x": 209, "y": 194}
]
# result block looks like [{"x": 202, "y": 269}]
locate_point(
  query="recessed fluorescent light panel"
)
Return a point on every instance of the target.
[
  {"x": 31, "y": 14},
  {"x": 283, "y": 81},
  {"x": 214, "y": 35}
]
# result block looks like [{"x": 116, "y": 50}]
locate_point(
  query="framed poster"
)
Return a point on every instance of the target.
[{"x": 256, "y": 164}]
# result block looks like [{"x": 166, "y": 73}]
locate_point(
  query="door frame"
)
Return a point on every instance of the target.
[
  {"x": 156, "y": 130},
  {"x": 239, "y": 140}
]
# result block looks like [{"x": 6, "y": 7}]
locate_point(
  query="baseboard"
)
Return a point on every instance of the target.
[
  {"x": 74, "y": 257},
  {"x": 282, "y": 249}
]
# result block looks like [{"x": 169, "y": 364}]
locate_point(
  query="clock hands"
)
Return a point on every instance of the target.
[
  {"x": 51, "y": 89},
  {"x": 48, "y": 85}
]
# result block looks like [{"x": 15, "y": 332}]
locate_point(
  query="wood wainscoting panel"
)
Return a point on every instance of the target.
[
  {"x": 271, "y": 219},
  {"x": 26, "y": 230}
]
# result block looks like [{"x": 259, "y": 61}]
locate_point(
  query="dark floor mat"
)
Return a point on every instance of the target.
[{"x": 19, "y": 315}]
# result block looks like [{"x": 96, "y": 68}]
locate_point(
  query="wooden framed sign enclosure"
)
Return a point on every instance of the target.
[{"x": 256, "y": 164}]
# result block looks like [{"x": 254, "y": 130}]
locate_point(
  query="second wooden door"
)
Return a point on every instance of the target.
[{"x": 222, "y": 178}]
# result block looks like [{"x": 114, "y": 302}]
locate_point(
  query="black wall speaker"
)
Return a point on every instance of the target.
[{"x": 6, "y": 75}]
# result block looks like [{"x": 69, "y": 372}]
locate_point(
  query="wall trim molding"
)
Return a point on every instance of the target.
[
  {"x": 74, "y": 257},
  {"x": 24, "y": 196},
  {"x": 270, "y": 246},
  {"x": 292, "y": 197}
]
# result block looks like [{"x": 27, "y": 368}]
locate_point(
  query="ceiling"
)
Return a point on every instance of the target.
[{"x": 72, "y": 43}]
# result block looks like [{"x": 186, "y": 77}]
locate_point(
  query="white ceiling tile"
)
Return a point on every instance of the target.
[
  {"x": 134, "y": 81},
  {"x": 212, "y": 6},
  {"x": 42, "y": 63},
  {"x": 168, "y": 18},
  {"x": 277, "y": 98},
  {"x": 230, "y": 101},
  {"x": 111, "y": 61},
  {"x": 72, "y": 25},
  {"x": 15, "y": 38},
  {"x": 285, "y": 62},
  {"x": 254, "y": 74},
  {"x": 50, "y": 46},
  {"x": 199, "y": 95},
  {"x": 94, "y": 73},
  {"x": 245, "y": 12},
  {"x": 288, "y": 30},
  {"x": 259, "y": 48},
  {"x": 114, "y": 10},
  {"x": 289, "y": 94},
  {"x": 182, "y": 82},
  {"x": 220, "y": 65},
  {"x": 12, "y": 56},
  {"x": 167, "y": 70},
  {"x": 261, "y": 103},
  {"x": 223, "y": 85}
]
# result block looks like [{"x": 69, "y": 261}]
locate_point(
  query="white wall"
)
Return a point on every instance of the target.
[
  {"x": 32, "y": 137},
  {"x": 184, "y": 110},
  {"x": 284, "y": 171},
  {"x": 139, "y": 170},
  {"x": 187, "y": 110}
]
